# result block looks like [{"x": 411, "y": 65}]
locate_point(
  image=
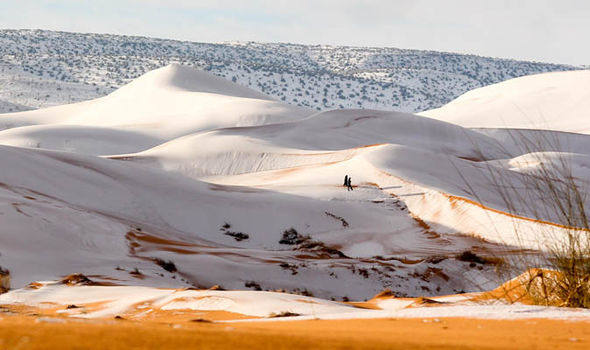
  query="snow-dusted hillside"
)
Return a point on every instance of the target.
[{"x": 45, "y": 68}]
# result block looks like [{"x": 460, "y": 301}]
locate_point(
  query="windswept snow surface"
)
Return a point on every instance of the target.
[
  {"x": 183, "y": 179},
  {"x": 121, "y": 299},
  {"x": 558, "y": 101},
  {"x": 80, "y": 139},
  {"x": 161, "y": 105}
]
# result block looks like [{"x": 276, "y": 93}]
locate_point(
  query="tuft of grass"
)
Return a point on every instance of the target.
[
  {"x": 550, "y": 195},
  {"x": 4, "y": 280},
  {"x": 283, "y": 314}
]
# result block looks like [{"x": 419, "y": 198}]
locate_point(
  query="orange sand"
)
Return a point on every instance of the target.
[{"x": 24, "y": 332}]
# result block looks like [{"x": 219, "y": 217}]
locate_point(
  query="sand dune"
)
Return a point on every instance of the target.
[
  {"x": 163, "y": 104},
  {"x": 180, "y": 179},
  {"x": 552, "y": 101}
]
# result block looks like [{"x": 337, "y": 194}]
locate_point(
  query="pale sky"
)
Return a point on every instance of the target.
[{"x": 542, "y": 30}]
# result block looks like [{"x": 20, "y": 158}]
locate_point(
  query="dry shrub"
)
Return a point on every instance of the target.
[
  {"x": 4, "y": 280},
  {"x": 283, "y": 314},
  {"x": 548, "y": 192},
  {"x": 538, "y": 287},
  {"x": 77, "y": 279}
]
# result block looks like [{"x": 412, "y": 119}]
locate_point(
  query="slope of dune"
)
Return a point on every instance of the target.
[
  {"x": 320, "y": 139},
  {"x": 453, "y": 196},
  {"x": 412, "y": 155},
  {"x": 180, "y": 179},
  {"x": 556, "y": 101},
  {"x": 166, "y": 103},
  {"x": 108, "y": 218},
  {"x": 6, "y": 106},
  {"x": 183, "y": 78},
  {"x": 80, "y": 139},
  {"x": 121, "y": 300},
  {"x": 143, "y": 303}
]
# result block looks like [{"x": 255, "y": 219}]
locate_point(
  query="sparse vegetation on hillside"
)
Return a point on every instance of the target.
[{"x": 47, "y": 68}]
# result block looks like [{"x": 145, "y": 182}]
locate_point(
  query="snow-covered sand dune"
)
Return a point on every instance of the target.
[
  {"x": 80, "y": 139},
  {"x": 557, "y": 101},
  {"x": 118, "y": 300},
  {"x": 163, "y": 104},
  {"x": 320, "y": 139},
  {"x": 140, "y": 303},
  {"x": 184, "y": 179},
  {"x": 106, "y": 217}
]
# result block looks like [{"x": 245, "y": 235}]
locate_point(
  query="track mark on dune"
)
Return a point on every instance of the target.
[
  {"x": 341, "y": 219},
  {"x": 401, "y": 206},
  {"x": 16, "y": 207}
]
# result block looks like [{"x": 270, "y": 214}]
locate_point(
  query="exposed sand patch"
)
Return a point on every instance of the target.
[{"x": 27, "y": 332}]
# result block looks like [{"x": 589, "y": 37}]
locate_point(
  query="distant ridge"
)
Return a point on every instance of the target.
[{"x": 43, "y": 68}]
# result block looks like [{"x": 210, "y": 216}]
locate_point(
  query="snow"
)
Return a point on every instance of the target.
[
  {"x": 81, "y": 139},
  {"x": 80, "y": 207},
  {"x": 319, "y": 139},
  {"x": 121, "y": 300},
  {"x": 498, "y": 312},
  {"x": 118, "y": 300},
  {"x": 182, "y": 78},
  {"x": 148, "y": 105},
  {"x": 181, "y": 166},
  {"x": 556, "y": 101}
]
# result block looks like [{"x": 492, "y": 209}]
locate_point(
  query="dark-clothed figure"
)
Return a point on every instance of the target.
[{"x": 345, "y": 180}]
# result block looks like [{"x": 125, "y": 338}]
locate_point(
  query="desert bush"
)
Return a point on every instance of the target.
[
  {"x": 238, "y": 236},
  {"x": 252, "y": 284},
  {"x": 548, "y": 201},
  {"x": 4, "y": 280},
  {"x": 167, "y": 265},
  {"x": 77, "y": 279},
  {"x": 292, "y": 237}
]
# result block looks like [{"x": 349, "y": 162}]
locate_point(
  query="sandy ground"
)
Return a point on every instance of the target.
[{"x": 34, "y": 332}]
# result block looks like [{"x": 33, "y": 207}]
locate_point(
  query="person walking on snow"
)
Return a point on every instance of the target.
[
  {"x": 345, "y": 180},
  {"x": 350, "y": 183}
]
